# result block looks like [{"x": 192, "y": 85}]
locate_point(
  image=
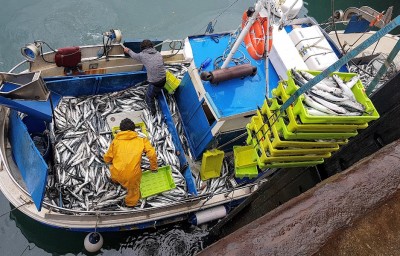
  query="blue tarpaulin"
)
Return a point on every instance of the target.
[{"x": 31, "y": 164}]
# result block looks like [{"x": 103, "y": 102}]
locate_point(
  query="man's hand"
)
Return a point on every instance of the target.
[{"x": 126, "y": 49}]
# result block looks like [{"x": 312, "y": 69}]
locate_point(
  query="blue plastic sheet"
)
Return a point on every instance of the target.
[{"x": 31, "y": 164}]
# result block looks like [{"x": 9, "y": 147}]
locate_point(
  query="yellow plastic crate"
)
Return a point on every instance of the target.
[
  {"x": 153, "y": 183},
  {"x": 279, "y": 142},
  {"x": 245, "y": 161},
  {"x": 211, "y": 164},
  {"x": 293, "y": 164},
  {"x": 172, "y": 82},
  {"x": 290, "y": 151},
  {"x": 290, "y": 162},
  {"x": 141, "y": 126},
  {"x": 265, "y": 155},
  {"x": 265, "y": 160},
  {"x": 358, "y": 89},
  {"x": 267, "y": 144}
]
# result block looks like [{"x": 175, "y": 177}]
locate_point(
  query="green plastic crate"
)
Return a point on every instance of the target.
[
  {"x": 171, "y": 82},
  {"x": 282, "y": 128},
  {"x": 278, "y": 141},
  {"x": 141, "y": 126},
  {"x": 295, "y": 124},
  {"x": 155, "y": 183},
  {"x": 245, "y": 161},
  {"x": 359, "y": 93},
  {"x": 268, "y": 145},
  {"x": 290, "y": 151},
  {"x": 293, "y": 164},
  {"x": 264, "y": 160},
  {"x": 211, "y": 164}
]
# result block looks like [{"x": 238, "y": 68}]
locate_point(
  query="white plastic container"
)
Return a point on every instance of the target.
[
  {"x": 289, "y": 8},
  {"x": 317, "y": 53},
  {"x": 300, "y": 34},
  {"x": 313, "y": 47},
  {"x": 284, "y": 54}
]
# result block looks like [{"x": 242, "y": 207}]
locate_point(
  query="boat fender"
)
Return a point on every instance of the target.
[
  {"x": 208, "y": 215},
  {"x": 224, "y": 74},
  {"x": 93, "y": 242}
]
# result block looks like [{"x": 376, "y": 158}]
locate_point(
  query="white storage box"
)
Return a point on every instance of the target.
[
  {"x": 284, "y": 55},
  {"x": 321, "y": 61},
  {"x": 313, "y": 47},
  {"x": 300, "y": 34}
]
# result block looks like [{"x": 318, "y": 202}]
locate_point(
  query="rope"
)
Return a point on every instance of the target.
[
  {"x": 27, "y": 202},
  {"x": 97, "y": 221},
  {"x": 218, "y": 16},
  {"x": 28, "y": 247}
]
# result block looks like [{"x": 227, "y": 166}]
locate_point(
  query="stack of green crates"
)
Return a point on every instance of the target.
[{"x": 296, "y": 139}]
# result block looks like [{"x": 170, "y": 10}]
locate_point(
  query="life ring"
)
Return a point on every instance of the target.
[{"x": 255, "y": 38}]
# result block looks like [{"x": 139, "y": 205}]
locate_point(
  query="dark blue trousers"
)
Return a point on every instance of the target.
[{"x": 151, "y": 94}]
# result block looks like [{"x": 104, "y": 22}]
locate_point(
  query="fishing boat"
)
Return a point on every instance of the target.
[{"x": 61, "y": 108}]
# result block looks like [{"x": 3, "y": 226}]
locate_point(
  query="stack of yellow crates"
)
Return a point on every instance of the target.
[{"x": 294, "y": 138}]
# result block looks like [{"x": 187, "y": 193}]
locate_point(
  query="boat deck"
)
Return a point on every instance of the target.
[{"x": 235, "y": 96}]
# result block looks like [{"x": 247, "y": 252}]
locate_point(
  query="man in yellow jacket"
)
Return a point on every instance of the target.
[{"x": 125, "y": 153}]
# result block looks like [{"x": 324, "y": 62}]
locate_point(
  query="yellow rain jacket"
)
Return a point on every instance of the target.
[{"x": 125, "y": 153}]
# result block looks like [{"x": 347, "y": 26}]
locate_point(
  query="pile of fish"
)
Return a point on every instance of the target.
[
  {"x": 178, "y": 69},
  {"x": 216, "y": 185},
  {"x": 331, "y": 96},
  {"x": 368, "y": 71},
  {"x": 81, "y": 136}
]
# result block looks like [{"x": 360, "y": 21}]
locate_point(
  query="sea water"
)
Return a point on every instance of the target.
[{"x": 71, "y": 23}]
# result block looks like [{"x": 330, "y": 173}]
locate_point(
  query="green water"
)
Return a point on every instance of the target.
[{"x": 66, "y": 23}]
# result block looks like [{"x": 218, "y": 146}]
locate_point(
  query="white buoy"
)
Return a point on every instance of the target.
[
  {"x": 93, "y": 242},
  {"x": 209, "y": 215}
]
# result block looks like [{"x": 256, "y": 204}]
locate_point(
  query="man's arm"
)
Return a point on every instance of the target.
[
  {"x": 134, "y": 55},
  {"x": 109, "y": 155},
  {"x": 151, "y": 154}
]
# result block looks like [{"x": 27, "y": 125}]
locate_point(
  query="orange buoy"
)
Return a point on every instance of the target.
[
  {"x": 255, "y": 38},
  {"x": 268, "y": 28}
]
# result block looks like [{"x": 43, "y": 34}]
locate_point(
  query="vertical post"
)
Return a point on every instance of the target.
[{"x": 267, "y": 49}]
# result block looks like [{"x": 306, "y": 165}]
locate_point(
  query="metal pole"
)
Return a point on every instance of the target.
[
  {"x": 245, "y": 30},
  {"x": 267, "y": 49},
  {"x": 383, "y": 68}
]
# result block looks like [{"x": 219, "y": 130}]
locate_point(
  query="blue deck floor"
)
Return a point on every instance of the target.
[{"x": 236, "y": 96}]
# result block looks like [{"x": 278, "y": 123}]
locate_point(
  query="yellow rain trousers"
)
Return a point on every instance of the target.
[{"x": 125, "y": 153}]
